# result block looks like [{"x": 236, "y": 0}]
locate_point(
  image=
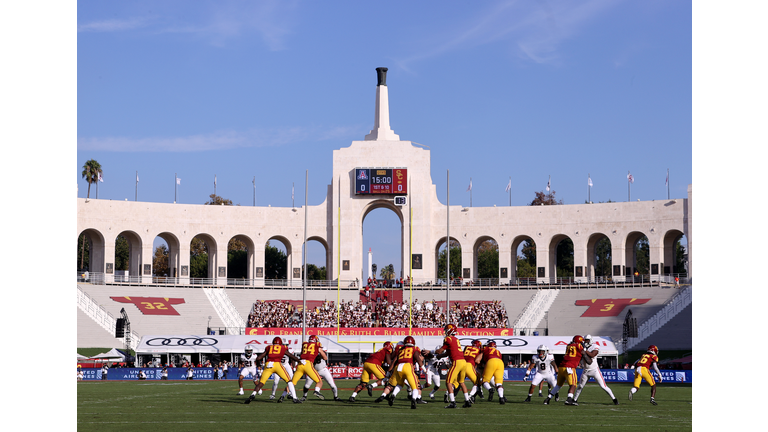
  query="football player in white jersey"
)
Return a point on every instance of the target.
[
  {"x": 542, "y": 362},
  {"x": 433, "y": 371},
  {"x": 248, "y": 364},
  {"x": 591, "y": 370},
  {"x": 322, "y": 369},
  {"x": 288, "y": 365}
]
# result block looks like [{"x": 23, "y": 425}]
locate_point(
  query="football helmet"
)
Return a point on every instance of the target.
[
  {"x": 314, "y": 338},
  {"x": 388, "y": 346},
  {"x": 491, "y": 344},
  {"x": 248, "y": 350},
  {"x": 409, "y": 341},
  {"x": 450, "y": 330},
  {"x": 277, "y": 341},
  {"x": 542, "y": 351},
  {"x": 577, "y": 339},
  {"x": 653, "y": 349},
  {"x": 587, "y": 340},
  {"x": 477, "y": 344}
]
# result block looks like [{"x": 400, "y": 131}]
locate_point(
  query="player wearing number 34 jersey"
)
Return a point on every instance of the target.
[{"x": 309, "y": 352}]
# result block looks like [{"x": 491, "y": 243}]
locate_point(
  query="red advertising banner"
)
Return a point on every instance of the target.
[
  {"x": 339, "y": 372},
  {"x": 375, "y": 331}
]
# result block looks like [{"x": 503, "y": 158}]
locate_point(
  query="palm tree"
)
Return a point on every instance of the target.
[{"x": 91, "y": 173}]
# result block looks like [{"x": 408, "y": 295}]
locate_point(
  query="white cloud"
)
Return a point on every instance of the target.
[
  {"x": 115, "y": 25},
  {"x": 221, "y": 140}
]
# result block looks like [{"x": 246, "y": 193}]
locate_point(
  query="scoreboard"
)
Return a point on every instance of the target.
[{"x": 381, "y": 181}]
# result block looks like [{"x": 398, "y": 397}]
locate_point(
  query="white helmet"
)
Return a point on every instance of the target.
[
  {"x": 588, "y": 340},
  {"x": 542, "y": 350},
  {"x": 248, "y": 350}
]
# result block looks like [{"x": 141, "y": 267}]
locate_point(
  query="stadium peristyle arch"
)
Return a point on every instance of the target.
[{"x": 404, "y": 167}]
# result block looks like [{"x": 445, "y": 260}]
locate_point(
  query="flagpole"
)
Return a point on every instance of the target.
[
  {"x": 214, "y": 184},
  {"x": 510, "y": 191},
  {"x": 448, "y": 248},
  {"x": 304, "y": 288},
  {"x": 470, "y": 191},
  {"x": 589, "y": 188},
  {"x": 293, "y": 200},
  {"x": 667, "y": 183},
  {"x": 254, "y": 191}
]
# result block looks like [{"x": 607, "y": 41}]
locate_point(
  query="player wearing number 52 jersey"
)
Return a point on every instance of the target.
[
  {"x": 566, "y": 372},
  {"x": 643, "y": 372},
  {"x": 309, "y": 352},
  {"x": 452, "y": 349},
  {"x": 274, "y": 354}
]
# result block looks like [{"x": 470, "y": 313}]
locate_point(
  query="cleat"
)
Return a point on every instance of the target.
[
  {"x": 557, "y": 397},
  {"x": 445, "y": 398},
  {"x": 250, "y": 398},
  {"x": 570, "y": 401},
  {"x": 379, "y": 399},
  {"x": 390, "y": 400},
  {"x": 490, "y": 395},
  {"x": 351, "y": 398},
  {"x": 370, "y": 390},
  {"x": 337, "y": 399},
  {"x": 271, "y": 397},
  {"x": 432, "y": 397},
  {"x": 289, "y": 396},
  {"x": 413, "y": 403},
  {"x": 546, "y": 402},
  {"x": 540, "y": 395},
  {"x": 615, "y": 401},
  {"x": 297, "y": 401},
  {"x": 653, "y": 402},
  {"x": 482, "y": 395},
  {"x": 280, "y": 399},
  {"x": 240, "y": 392},
  {"x": 319, "y": 395},
  {"x": 303, "y": 398},
  {"x": 451, "y": 405},
  {"x": 467, "y": 404},
  {"x": 630, "y": 394},
  {"x": 502, "y": 400},
  {"x": 472, "y": 400},
  {"x": 421, "y": 401},
  {"x": 528, "y": 399}
]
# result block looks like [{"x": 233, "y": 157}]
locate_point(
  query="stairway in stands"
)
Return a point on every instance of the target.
[
  {"x": 100, "y": 316},
  {"x": 674, "y": 306},
  {"x": 226, "y": 311},
  {"x": 535, "y": 310}
]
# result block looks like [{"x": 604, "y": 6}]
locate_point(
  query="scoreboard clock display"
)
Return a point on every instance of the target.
[{"x": 381, "y": 181}]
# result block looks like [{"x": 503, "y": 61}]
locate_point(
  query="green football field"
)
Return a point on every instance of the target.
[{"x": 203, "y": 405}]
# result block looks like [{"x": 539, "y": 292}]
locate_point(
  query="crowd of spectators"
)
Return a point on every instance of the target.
[{"x": 423, "y": 314}]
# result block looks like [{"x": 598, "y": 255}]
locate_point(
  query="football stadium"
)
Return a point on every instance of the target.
[{"x": 186, "y": 350}]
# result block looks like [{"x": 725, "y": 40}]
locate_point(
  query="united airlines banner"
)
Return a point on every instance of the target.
[{"x": 352, "y": 343}]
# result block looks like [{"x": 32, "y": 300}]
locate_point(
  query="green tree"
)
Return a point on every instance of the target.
[
  {"x": 545, "y": 199},
  {"x": 198, "y": 259},
  {"x": 122, "y": 253},
  {"x": 455, "y": 261},
  {"x": 83, "y": 251},
  {"x": 642, "y": 256},
  {"x": 524, "y": 268},
  {"x": 680, "y": 258},
  {"x": 275, "y": 263},
  {"x": 565, "y": 258},
  {"x": 603, "y": 258},
  {"x": 315, "y": 273},
  {"x": 160, "y": 261},
  {"x": 91, "y": 172},
  {"x": 488, "y": 260},
  {"x": 214, "y": 199},
  {"x": 388, "y": 272}
]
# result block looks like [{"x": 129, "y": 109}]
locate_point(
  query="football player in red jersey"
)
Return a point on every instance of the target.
[
  {"x": 643, "y": 372},
  {"x": 473, "y": 354},
  {"x": 373, "y": 366},
  {"x": 274, "y": 354},
  {"x": 309, "y": 352},
  {"x": 566, "y": 371},
  {"x": 452, "y": 349},
  {"x": 402, "y": 371},
  {"x": 494, "y": 371}
]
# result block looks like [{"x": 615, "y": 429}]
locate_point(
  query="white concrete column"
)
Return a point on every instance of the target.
[
  {"x": 580, "y": 259},
  {"x": 147, "y": 257},
  {"x": 542, "y": 260},
  {"x": 381, "y": 130},
  {"x": 618, "y": 258}
]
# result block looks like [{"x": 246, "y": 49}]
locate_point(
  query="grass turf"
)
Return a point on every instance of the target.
[{"x": 197, "y": 405}]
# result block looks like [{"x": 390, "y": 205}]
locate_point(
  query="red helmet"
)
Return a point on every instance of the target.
[
  {"x": 577, "y": 339},
  {"x": 491, "y": 344},
  {"x": 653, "y": 349},
  {"x": 313, "y": 338},
  {"x": 477, "y": 344},
  {"x": 409, "y": 341},
  {"x": 277, "y": 341},
  {"x": 388, "y": 346},
  {"x": 450, "y": 330}
]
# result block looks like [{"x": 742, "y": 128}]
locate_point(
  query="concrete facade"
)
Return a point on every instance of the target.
[{"x": 337, "y": 223}]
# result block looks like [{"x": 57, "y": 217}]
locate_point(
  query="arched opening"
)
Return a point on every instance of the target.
[
  {"x": 525, "y": 259},
  {"x": 165, "y": 257},
  {"x": 561, "y": 257},
  {"x": 441, "y": 258},
  {"x": 676, "y": 253},
  {"x": 277, "y": 252},
  {"x": 382, "y": 234},
  {"x": 127, "y": 256},
  {"x": 317, "y": 262},
  {"x": 637, "y": 255},
  {"x": 202, "y": 259},
  {"x": 90, "y": 254},
  {"x": 599, "y": 258},
  {"x": 486, "y": 261},
  {"x": 239, "y": 257}
]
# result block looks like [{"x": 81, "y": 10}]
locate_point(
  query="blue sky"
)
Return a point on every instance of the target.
[{"x": 496, "y": 89}]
